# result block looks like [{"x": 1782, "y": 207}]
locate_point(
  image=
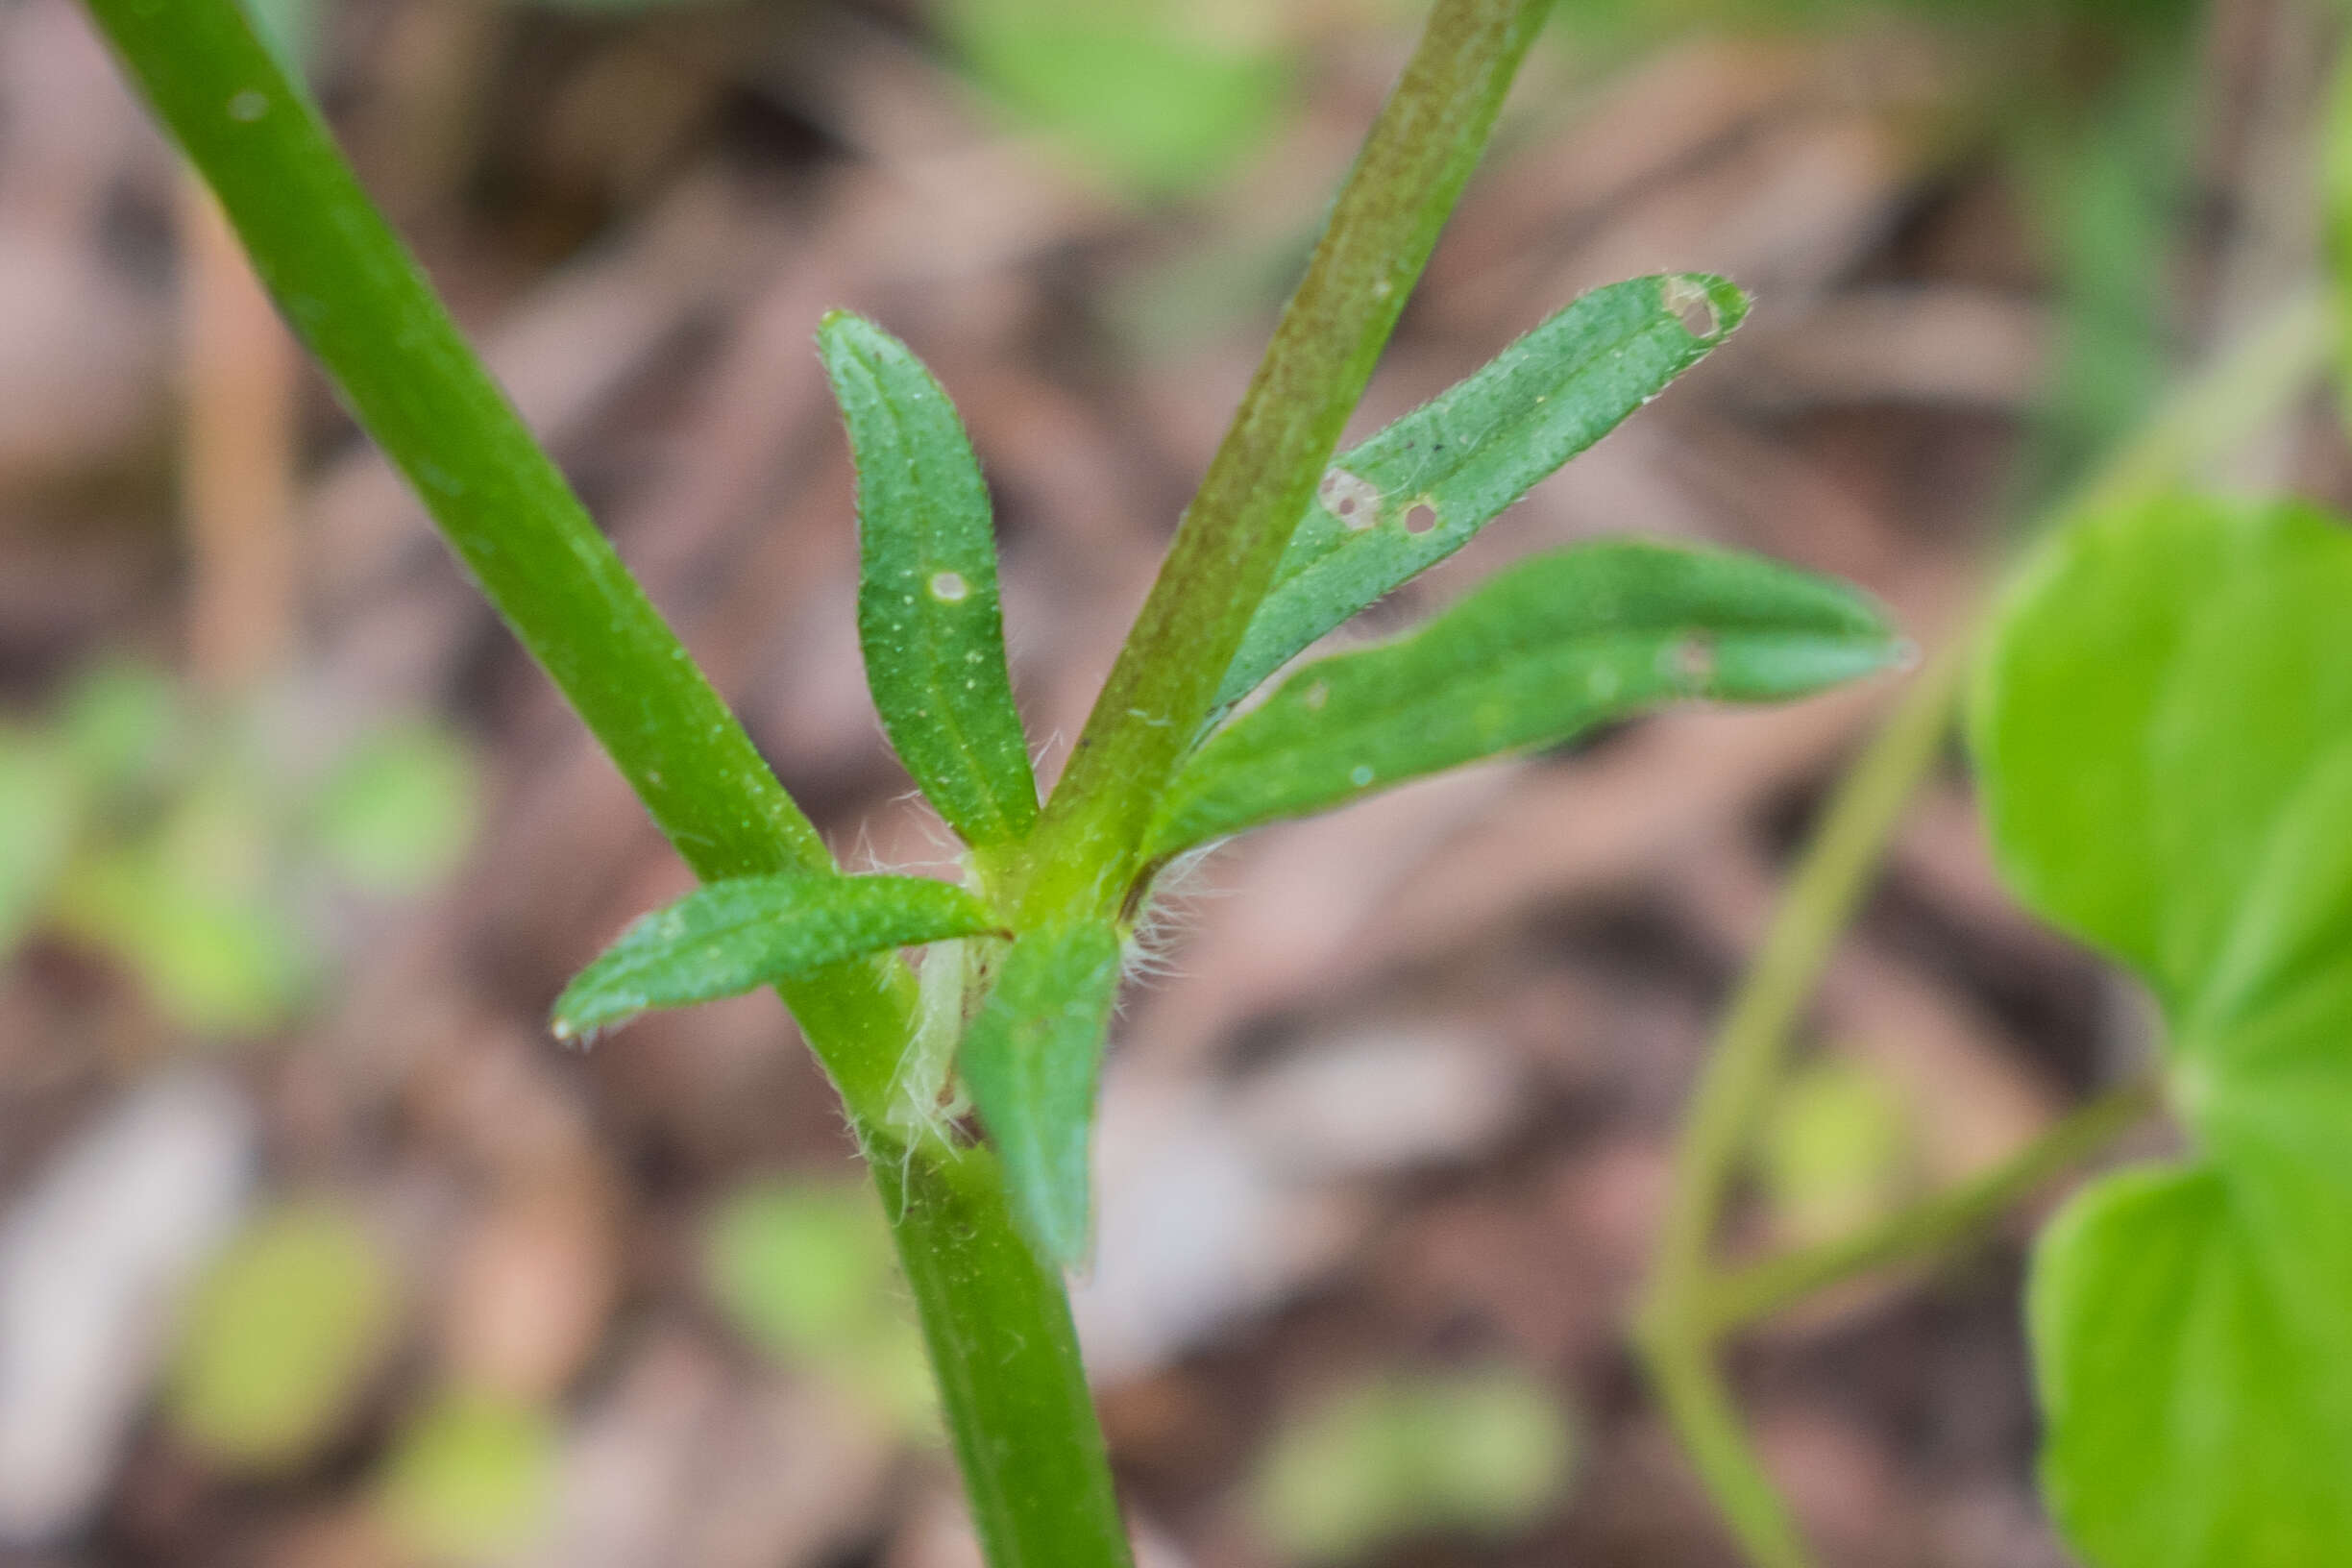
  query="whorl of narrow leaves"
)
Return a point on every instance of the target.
[
  {"x": 1422, "y": 488},
  {"x": 1031, "y": 1061},
  {"x": 2163, "y": 724},
  {"x": 1552, "y": 647},
  {"x": 732, "y": 936},
  {"x": 928, "y": 618}
]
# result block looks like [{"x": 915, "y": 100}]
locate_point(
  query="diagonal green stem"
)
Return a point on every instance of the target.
[
  {"x": 356, "y": 298},
  {"x": 1414, "y": 164}
]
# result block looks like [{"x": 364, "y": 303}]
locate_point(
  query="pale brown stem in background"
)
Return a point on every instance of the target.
[{"x": 238, "y": 370}]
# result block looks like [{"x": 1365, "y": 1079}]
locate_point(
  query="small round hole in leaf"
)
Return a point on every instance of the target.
[{"x": 1421, "y": 518}]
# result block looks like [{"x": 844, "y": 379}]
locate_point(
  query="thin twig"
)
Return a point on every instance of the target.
[
  {"x": 2234, "y": 397},
  {"x": 1933, "y": 1225}
]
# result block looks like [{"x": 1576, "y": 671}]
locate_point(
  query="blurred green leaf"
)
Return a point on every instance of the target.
[
  {"x": 1031, "y": 1060},
  {"x": 729, "y": 937},
  {"x": 2197, "y": 1411},
  {"x": 1149, "y": 91},
  {"x": 928, "y": 618},
  {"x": 1537, "y": 654},
  {"x": 220, "y": 959},
  {"x": 39, "y": 815},
  {"x": 398, "y": 809},
  {"x": 118, "y": 723},
  {"x": 286, "y": 1325},
  {"x": 2162, "y": 723},
  {"x": 1833, "y": 1150},
  {"x": 1484, "y": 1453},
  {"x": 804, "y": 1270},
  {"x": 471, "y": 1478},
  {"x": 1424, "y": 488}
]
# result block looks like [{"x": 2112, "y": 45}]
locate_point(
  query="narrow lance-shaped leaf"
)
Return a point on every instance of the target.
[
  {"x": 1031, "y": 1061},
  {"x": 928, "y": 618},
  {"x": 736, "y": 936},
  {"x": 2162, "y": 725},
  {"x": 1422, "y": 488},
  {"x": 1550, "y": 647}
]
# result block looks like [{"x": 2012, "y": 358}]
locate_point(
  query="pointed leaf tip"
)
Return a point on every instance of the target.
[
  {"x": 1534, "y": 656},
  {"x": 736, "y": 936},
  {"x": 1425, "y": 486}
]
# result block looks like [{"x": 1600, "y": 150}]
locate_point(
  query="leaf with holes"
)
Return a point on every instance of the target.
[
  {"x": 1553, "y": 646},
  {"x": 928, "y": 617},
  {"x": 1031, "y": 1060},
  {"x": 736, "y": 936},
  {"x": 2163, "y": 721},
  {"x": 1422, "y": 488}
]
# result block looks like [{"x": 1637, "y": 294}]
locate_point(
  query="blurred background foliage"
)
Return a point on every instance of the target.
[{"x": 228, "y": 844}]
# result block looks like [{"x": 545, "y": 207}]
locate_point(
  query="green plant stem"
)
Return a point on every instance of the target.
[
  {"x": 1698, "y": 1405},
  {"x": 1754, "y": 1035},
  {"x": 1746, "y": 1054},
  {"x": 2241, "y": 391},
  {"x": 997, "y": 1324},
  {"x": 1419, "y": 153},
  {"x": 1934, "y": 1225}
]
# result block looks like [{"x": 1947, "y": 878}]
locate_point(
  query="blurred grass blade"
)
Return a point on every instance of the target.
[
  {"x": 2336, "y": 208},
  {"x": 735, "y": 936},
  {"x": 1555, "y": 645},
  {"x": 1151, "y": 92},
  {"x": 1031, "y": 1061},
  {"x": 928, "y": 618},
  {"x": 1422, "y": 488},
  {"x": 280, "y": 1338}
]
